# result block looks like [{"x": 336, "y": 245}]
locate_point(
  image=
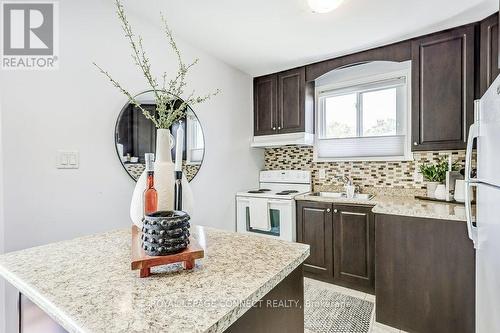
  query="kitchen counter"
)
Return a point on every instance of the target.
[
  {"x": 401, "y": 205},
  {"x": 86, "y": 284}
]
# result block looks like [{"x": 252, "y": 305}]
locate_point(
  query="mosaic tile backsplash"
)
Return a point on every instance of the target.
[{"x": 366, "y": 174}]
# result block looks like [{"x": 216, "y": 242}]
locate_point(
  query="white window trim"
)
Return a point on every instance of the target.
[
  {"x": 408, "y": 155},
  {"x": 190, "y": 152}
]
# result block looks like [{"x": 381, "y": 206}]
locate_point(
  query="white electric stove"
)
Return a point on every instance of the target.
[{"x": 269, "y": 210}]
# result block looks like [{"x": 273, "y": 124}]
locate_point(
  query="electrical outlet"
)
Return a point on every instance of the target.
[
  {"x": 68, "y": 159},
  {"x": 322, "y": 174},
  {"x": 418, "y": 177}
]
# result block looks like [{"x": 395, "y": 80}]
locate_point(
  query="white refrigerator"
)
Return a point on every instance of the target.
[{"x": 483, "y": 223}]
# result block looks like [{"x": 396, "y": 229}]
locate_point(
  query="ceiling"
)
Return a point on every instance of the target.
[{"x": 265, "y": 36}]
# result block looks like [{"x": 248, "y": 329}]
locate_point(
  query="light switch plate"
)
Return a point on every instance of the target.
[
  {"x": 67, "y": 159},
  {"x": 322, "y": 174}
]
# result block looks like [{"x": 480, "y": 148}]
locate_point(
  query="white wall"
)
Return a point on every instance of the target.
[
  {"x": 2, "y": 283},
  {"x": 76, "y": 108}
]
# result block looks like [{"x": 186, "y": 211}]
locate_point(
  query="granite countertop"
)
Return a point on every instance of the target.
[
  {"x": 86, "y": 284},
  {"x": 403, "y": 206}
]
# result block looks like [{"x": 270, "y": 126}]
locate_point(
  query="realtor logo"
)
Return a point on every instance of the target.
[{"x": 30, "y": 35}]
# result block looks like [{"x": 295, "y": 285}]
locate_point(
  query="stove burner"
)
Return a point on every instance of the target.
[
  {"x": 287, "y": 192},
  {"x": 262, "y": 190}
]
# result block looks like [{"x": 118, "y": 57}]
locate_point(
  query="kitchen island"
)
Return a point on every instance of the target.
[{"x": 245, "y": 283}]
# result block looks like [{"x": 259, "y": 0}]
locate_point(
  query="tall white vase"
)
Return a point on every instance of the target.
[
  {"x": 164, "y": 179},
  {"x": 164, "y": 170}
]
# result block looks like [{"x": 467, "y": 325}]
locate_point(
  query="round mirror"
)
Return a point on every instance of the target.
[{"x": 135, "y": 136}]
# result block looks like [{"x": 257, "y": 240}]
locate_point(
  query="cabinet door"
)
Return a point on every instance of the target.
[
  {"x": 425, "y": 275},
  {"x": 315, "y": 227},
  {"x": 488, "y": 53},
  {"x": 265, "y": 90},
  {"x": 442, "y": 89},
  {"x": 354, "y": 247},
  {"x": 291, "y": 105}
]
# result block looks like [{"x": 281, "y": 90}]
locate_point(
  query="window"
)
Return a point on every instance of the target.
[
  {"x": 364, "y": 119},
  {"x": 195, "y": 141}
]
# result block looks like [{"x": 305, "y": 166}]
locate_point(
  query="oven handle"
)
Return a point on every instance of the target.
[
  {"x": 269, "y": 201},
  {"x": 280, "y": 202}
]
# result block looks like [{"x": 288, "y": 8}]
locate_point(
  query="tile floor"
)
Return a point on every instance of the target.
[{"x": 374, "y": 326}]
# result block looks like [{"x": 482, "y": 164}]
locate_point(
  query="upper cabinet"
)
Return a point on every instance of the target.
[
  {"x": 283, "y": 103},
  {"x": 291, "y": 96},
  {"x": 265, "y": 91},
  {"x": 442, "y": 89},
  {"x": 488, "y": 65},
  {"x": 449, "y": 69}
]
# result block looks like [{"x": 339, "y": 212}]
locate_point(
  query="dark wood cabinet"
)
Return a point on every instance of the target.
[
  {"x": 291, "y": 97},
  {"x": 342, "y": 243},
  {"x": 488, "y": 65},
  {"x": 265, "y": 90},
  {"x": 424, "y": 275},
  {"x": 315, "y": 227},
  {"x": 354, "y": 247},
  {"x": 283, "y": 103},
  {"x": 443, "y": 89}
]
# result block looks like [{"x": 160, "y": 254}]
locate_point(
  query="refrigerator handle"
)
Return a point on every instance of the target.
[
  {"x": 471, "y": 230},
  {"x": 470, "y": 182},
  {"x": 473, "y": 134}
]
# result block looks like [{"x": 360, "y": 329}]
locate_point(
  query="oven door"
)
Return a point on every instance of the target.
[{"x": 281, "y": 215}]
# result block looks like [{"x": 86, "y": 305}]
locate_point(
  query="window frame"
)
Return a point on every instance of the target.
[
  {"x": 352, "y": 86},
  {"x": 192, "y": 124}
]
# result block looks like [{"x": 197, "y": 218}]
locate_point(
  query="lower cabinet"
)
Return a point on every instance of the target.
[
  {"x": 315, "y": 227},
  {"x": 354, "y": 252},
  {"x": 425, "y": 275},
  {"x": 341, "y": 238}
]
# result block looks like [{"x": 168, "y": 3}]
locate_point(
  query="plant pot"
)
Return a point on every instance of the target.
[
  {"x": 431, "y": 189},
  {"x": 440, "y": 192}
]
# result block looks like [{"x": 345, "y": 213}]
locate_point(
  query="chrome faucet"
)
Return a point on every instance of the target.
[{"x": 344, "y": 180}]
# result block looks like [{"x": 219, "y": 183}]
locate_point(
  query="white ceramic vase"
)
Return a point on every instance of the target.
[
  {"x": 440, "y": 192},
  {"x": 164, "y": 181},
  {"x": 431, "y": 189}
]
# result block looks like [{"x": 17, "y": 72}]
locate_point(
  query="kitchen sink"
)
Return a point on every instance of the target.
[{"x": 341, "y": 195}]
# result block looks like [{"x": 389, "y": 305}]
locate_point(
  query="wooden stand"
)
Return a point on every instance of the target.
[{"x": 143, "y": 262}]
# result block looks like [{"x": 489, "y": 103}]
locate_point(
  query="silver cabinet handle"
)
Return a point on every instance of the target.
[
  {"x": 335, "y": 211},
  {"x": 279, "y": 128},
  {"x": 274, "y": 128},
  {"x": 415, "y": 143},
  {"x": 328, "y": 210}
]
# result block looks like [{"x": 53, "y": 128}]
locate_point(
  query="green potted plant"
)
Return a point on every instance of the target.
[{"x": 435, "y": 175}]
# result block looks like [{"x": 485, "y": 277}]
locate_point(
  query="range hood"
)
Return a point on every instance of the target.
[{"x": 277, "y": 140}]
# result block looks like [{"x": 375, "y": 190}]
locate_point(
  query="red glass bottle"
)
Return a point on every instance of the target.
[{"x": 150, "y": 195}]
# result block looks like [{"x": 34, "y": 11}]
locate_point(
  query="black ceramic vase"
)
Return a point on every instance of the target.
[{"x": 165, "y": 232}]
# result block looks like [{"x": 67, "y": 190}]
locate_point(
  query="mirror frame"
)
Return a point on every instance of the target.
[{"x": 126, "y": 105}]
